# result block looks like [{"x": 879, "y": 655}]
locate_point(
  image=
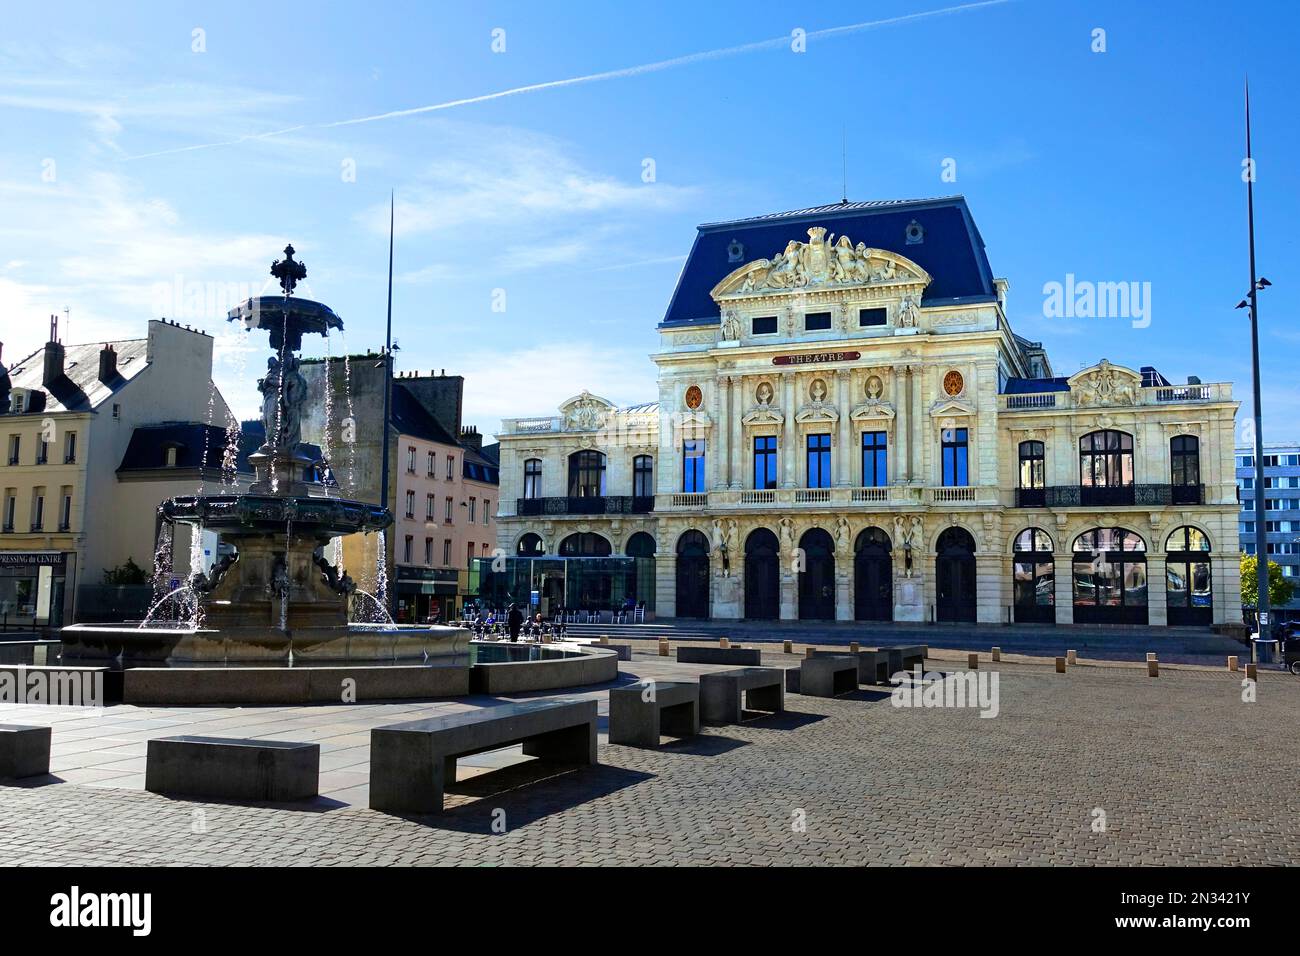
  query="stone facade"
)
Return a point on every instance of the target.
[{"x": 829, "y": 342}]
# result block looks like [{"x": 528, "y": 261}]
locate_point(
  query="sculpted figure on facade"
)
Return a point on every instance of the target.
[
  {"x": 1105, "y": 385},
  {"x": 730, "y": 327},
  {"x": 908, "y": 313},
  {"x": 819, "y": 261},
  {"x": 842, "y": 534},
  {"x": 586, "y": 413}
]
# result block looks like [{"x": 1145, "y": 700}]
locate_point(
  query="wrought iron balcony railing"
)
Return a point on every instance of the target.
[
  {"x": 586, "y": 505},
  {"x": 1084, "y": 496}
]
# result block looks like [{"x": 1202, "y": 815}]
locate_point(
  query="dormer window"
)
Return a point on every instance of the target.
[
  {"x": 169, "y": 456},
  {"x": 914, "y": 234},
  {"x": 735, "y": 251}
]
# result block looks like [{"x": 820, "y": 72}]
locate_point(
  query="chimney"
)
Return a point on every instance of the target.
[
  {"x": 53, "y": 356},
  {"x": 107, "y": 364},
  {"x": 470, "y": 438}
]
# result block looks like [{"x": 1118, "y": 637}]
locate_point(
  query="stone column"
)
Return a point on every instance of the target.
[
  {"x": 722, "y": 434},
  {"x": 843, "y": 467},
  {"x": 918, "y": 448},
  {"x": 789, "y": 592},
  {"x": 1157, "y": 602},
  {"x": 988, "y": 588},
  {"x": 665, "y": 584},
  {"x": 739, "y": 453},
  {"x": 899, "y": 465},
  {"x": 789, "y": 434},
  {"x": 1063, "y": 569}
]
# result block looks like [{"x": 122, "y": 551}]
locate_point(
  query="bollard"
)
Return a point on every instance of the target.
[
  {"x": 809, "y": 652},
  {"x": 853, "y": 647},
  {"x": 997, "y": 654},
  {"x": 1060, "y": 665},
  {"x": 973, "y": 661},
  {"x": 663, "y": 647},
  {"x": 1153, "y": 667},
  {"x": 604, "y": 638},
  {"x": 1252, "y": 672},
  {"x": 724, "y": 643},
  {"x": 1232, "y": 662},
  {"x": 1071, "y": 657},
  {"x": 787, "y": 647},
  {"x": 1151, "y": 656},
  {"x": 546, "y": 638}
]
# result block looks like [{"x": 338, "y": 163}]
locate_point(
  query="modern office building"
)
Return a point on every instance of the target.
[
  {"x": 1282, "y": 517},
  {"x": 847, "y": 427}
]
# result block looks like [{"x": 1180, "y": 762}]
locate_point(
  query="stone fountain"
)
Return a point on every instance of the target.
[{"x": 277, "y": 598}]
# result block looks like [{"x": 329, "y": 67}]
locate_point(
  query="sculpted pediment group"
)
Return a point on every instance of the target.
[
  {"x": 821, "y": 262},
  {"x": 1106, "y": 384}
]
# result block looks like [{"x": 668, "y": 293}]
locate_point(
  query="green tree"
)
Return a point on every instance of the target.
[
  {"x": 1280, "y": 590},
  {"x": 127, "y": 573}
]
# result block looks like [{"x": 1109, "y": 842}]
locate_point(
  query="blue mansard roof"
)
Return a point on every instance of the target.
[{"x": 951, "y": 249}]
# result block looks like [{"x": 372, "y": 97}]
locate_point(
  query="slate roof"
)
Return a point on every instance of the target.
[
  {"x": 80, "y": 390},
  {"x": 147, "y": 449},
  {"x": 1027, "y": 386},
  {"x": 952, "y": 250}
]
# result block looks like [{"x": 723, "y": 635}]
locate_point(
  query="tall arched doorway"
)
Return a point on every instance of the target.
[
  {"x": 873, "y": 577},
  {"x": 641, "y": 549},
  {"x": 693, "y": 575},
  {"x": 1110, "y": 577},
  {"x": 955, "y": 576},
  {"x": 1189, "y": 592},
  {"x": 817, "y": 582},
  {"x": 762, "y": 576},
  {"x": 1033, "y": 581}
]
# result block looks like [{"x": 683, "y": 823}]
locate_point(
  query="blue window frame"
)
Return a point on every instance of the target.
[
  {"x": 764, "y": 462},
  {"x": 819, "y": 461},
  {"x": 693, "y": 466},
  {"x": 875, "y": 458},
  {"x": 955, "y": 458}
]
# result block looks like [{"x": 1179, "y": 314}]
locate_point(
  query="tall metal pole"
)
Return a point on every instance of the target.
[
  {"x": 388, "y": 362},
  {"x": 1261, "y": 523}
]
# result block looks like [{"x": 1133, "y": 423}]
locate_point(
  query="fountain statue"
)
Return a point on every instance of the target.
[{"x": 277, "y": 595}]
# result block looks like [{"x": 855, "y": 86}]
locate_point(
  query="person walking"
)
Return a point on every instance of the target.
[{"x": 514, "y": 620}]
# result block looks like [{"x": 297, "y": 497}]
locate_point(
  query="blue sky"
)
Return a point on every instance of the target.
[{"x": 133, "y": 165}]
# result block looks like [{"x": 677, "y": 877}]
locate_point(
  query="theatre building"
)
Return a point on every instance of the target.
[{"x": 847, "y": 428}]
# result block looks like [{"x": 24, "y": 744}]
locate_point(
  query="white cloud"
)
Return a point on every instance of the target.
[{"x": 533, "y": 381}]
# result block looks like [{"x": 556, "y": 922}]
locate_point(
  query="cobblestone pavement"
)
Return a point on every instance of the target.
[{"x": 1184, "y": 771}]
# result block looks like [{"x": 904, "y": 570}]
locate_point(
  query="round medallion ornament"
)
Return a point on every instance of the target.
[
  {"x": 953, "y": 383},
  {"x": 694, "y": 397}
]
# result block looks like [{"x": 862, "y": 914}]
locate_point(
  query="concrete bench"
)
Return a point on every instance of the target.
[
  {"x": 24, "y": 751},
  {"x": 825, "y": 675},
  {"x": 412, "y": 763},
  {"x": 725, "y": 695},
  {"x": 873, "y": 666},
  {"x": 745, "y": 656},
  {"x": 227, "y": 768},
  {"x": 673, "y": 711},
  {"x": 904, "y": 657}
]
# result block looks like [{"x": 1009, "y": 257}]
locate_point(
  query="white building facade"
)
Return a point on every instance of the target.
[{"x": 848, "y": 429}]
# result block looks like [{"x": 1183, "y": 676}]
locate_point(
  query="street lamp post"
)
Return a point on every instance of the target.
[{"x": 1251, "y": 302}]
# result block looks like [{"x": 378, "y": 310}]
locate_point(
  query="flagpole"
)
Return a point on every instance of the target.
[{"x": 388, "y": 384}]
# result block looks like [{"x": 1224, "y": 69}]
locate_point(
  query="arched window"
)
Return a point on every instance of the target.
[
  {"x": 1185, "y": 469},
  {"x": 1032, "y": 491},
  {"x": 533, "y": 478},
  {"x": 641, "y": 545},
  {"x": 643, "y": 476},
  {"x": 1189, "y": 587},
  {"x": 530, "y": 546},
  {"x": 1033, "y": 581},
  {"x": 585, "y": 545},
  {"x": 1106, "y": 468},
  {"x": 586, "y": 474},
  {"x": 1110, "y": 577}
]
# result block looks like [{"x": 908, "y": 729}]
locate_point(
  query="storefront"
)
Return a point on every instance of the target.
[
  {"x": 419, "y": 591},
  {"x": 580, "y": 583},
  {"x": 36, "y": 588}
]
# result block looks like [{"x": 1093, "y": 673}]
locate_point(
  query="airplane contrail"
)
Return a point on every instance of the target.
[{"x": 655, "y": 67}]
